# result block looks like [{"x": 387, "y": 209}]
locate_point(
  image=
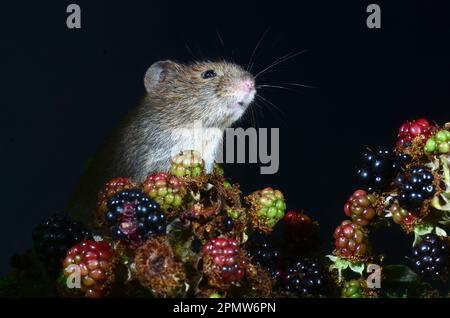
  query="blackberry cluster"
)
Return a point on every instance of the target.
[
  {"x": 94, "y": 261},
  {"x": 439, "y": 143},
  {"x": 410, "y": 130},
  {"x": 267, "y": 208},
  {"x": 133, "y": 217},
  {"x": 268, "y": 257},
  {"x": 306, "y": 278},
  {"x": 54, "y": 236},
  {"x": 350, "y": 240},
  {"x": 430, "y": 258},
  {"x": 352, "y": 289},
  {"x": 378, "y": 168},
  {"x": 361, "y": 207},
  {"x": 224, "y": 256},
  {"x": 415, "y": 187}
]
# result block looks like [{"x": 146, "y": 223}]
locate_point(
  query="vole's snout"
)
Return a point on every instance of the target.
[
  {"x": 247, "y": 84},
  {"x": 245, "y": 89}
]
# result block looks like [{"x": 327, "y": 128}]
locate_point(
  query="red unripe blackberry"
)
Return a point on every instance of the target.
[
  {"x": 93, "y": 260},
  {"x": 361, "y": 207},
  {"x": 110, "y": 189},
  {"x": 350, "y": 240},
  {"x": 300, "y": 228},
  {"x": 226, "y": 258},
  {"x": 402, "y": 217},
  {"x": 410, "y": 130}
]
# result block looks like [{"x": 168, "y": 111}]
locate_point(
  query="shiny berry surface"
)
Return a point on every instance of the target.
[
  {"x": 225, "y": 255},
  {"x": 430, "y": 257},
  {"x": 92, "y": 261},
  {"x": 133, "y": 217},
  {"x": 350, "y": 240}
]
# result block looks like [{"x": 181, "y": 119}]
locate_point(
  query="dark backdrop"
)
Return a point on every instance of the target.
[{"x": 63, "y": 90}]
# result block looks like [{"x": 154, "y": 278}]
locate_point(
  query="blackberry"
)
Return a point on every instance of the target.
[
  {"x": 402, "y": 217},
  {"x": 361, "y": 207},
  {"x": 415, "y": 187},
  {"x": 268, "y": 257},
  {"x": 267, "y": 208},
  {"x": 439, "y": 143},
  {"x": 306, "y": 278},
  {"x": 167, "y": 190},
  {"x": 430, "y": 257},
  {"x": 353, "y": 289},
  {"x": 228, "y": 223},
  {"x": 94, "y": 260},
  {"x": 188, "y": 163},
  {"x": 132, "y": 217},
  {"x": 54, "y": 236},
  {"x": 420, "y": 129},
  {"x": 110, "y": 188},
  {"x": 378, "y": 168},
  {"x": 350, "y": 240},
  {"x": 224, "y": 260}
]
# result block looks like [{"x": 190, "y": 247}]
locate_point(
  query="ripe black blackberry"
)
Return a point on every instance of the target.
[
  {"x": 133, "y": 217},
  {"x": 415, "y": 187},
  {"x": 430, "y": 257},
  {"x": 306, "y": 278},
  {"x": 378, "y": 168},
  {"x": 268, "y": 257},
  {"x": 54, "y": 236}
]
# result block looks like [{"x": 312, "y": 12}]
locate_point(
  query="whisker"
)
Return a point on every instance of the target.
[
  {"x": 293, "y": 84},
  {"x": 250, "y": 62},
  {"x": 270, "y": 103},
  {"x": 276, "y": 86},
  {"x": 281, "y": 60},
  {"x": 190, "y": 51},
  {"x": 272, "y": 107},
  {"x": 220, "y": 38}
]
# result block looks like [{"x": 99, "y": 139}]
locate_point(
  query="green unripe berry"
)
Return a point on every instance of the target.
[
  {"x": 441, "y": 136},
  {"x": 430, "y": 146},
  {"x": 444, "y": 147}
]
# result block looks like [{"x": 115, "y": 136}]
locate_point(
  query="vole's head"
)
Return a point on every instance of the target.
[{"x": 218, "y": 93}]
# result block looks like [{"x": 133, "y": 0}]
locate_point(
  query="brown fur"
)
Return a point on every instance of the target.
[{"x": 144, "y": 141}]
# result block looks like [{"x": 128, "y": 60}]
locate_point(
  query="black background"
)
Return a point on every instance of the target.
[{"x": 62, "y": 91}]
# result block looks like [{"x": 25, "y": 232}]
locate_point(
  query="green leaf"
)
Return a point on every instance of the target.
[
  {"x": 440, "y": 232},
  {"x": 340, "y": 265},
  {"x": 332, "y": 258},
  {"x": 357, "y": 267},
  {"x": 421, "y": 230},
  {"x": 399, "y": 273}
]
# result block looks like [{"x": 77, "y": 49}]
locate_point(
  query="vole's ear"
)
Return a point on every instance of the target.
[{"x": 157, "y": 73}]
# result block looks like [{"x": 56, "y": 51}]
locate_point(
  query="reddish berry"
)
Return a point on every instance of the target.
[
  {"x": 361, "y": 207},
  {"x": 402, "y": 217},
  {"x": 110, "y": 189},
  {"x": 226, "y": 256},
  {"x": 94, "y": 262},
  {"x": 299, "y": 224},
  {"x": 167, "y": 190},
  {"x": 412, "y": 129},
  {"x": 350, "y": 240}
]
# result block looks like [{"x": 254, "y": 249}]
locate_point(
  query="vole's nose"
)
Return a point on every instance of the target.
[{"x": 247, "y": 84}]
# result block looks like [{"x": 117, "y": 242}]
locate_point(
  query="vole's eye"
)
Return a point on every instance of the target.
[{"x": 208, "y": 74}]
